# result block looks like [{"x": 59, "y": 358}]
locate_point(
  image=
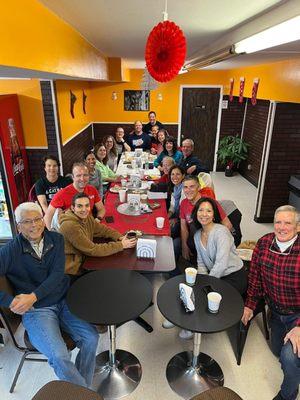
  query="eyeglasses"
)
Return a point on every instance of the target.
[
  {"x": 28, "y": 222},
  {"x": 279, "y": 252}
]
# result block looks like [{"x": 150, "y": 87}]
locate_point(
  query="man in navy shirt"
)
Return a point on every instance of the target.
[
  {"x": 138, "y": 139},
  {"x": 34, "y": 263}
]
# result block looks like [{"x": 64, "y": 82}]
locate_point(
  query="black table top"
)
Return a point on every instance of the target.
[
  {"x": 109, "y": 297},
  {"x": 201, "y": 320}
]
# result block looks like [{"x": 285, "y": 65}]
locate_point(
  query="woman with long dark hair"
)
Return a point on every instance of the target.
[
  {"x": 216, "y": 252},
  {"x": 112, "y": 152},
  {"x": 170, "y": 150}
]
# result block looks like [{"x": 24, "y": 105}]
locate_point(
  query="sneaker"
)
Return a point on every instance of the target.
[
  {"x": 167, "y": 324},
  {"x": 185, "y": 334}
]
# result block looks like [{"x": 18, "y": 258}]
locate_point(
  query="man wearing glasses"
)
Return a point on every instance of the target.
[
  {"x": 275, "y": 275},
  {"x": 34, "y": 263}
]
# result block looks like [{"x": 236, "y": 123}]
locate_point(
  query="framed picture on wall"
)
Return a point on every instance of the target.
[{"x": 136, "y": 100}]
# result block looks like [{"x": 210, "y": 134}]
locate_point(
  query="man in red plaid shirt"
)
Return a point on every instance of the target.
[{"x": 275, "y": 276}]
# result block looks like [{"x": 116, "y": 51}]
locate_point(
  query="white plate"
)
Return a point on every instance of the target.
[{"x": 124, "y": 209}]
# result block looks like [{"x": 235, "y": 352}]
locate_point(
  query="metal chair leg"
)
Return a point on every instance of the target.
[{"x": 17, "y": 373}]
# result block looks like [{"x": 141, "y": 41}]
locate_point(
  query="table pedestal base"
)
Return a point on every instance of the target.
[
  {"x": 117, "y": 380},
  {"x": 186, "y": 380}
]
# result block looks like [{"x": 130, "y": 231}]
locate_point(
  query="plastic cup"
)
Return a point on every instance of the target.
[
  {"x": 214, "y": 300},
  {"x": 160, "y": 222},
  {"x": 190, "y": 276},
  {"x": 122, "y": 195}
]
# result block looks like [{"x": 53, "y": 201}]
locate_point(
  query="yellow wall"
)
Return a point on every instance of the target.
[
  {"x": 30, "y": 100},
  {"x": 106, "y": 109},
  {"x": 70, "y": 126},
  {"x": 35, "y": 38},
  {"x": 279, "y": 81}
]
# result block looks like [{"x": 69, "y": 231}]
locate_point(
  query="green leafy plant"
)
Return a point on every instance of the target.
[{"x": 232, "y": 150}]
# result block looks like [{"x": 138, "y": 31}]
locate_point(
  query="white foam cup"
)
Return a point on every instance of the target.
[
  {"x": 190, "y": 276},
  {"x": 214, "y": 300},
  {"x": 160, "y": 222},
  {"x": 122, "y": 195}
]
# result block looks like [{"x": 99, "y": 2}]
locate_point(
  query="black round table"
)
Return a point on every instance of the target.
[
  {"x": 190, "y": 373},
  {"x": 111, "y": 297}
]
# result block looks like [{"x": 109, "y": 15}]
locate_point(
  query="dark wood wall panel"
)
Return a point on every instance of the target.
[
  {"x": 74, "y": 150},
  {"x": 254, "y": 134},
  {"x": 103, "y": 129},
  {"x": 284, "y": 158},
  {"x": 232, "y": 117},
  {"x": 35, "y": 161}
]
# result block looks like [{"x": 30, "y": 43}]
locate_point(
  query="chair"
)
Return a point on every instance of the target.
[
  {"x": 235, "y": 217},
  {"x": 11, "y": 322},
  {"x": 218, "y": 393},
  {"x": 61, "y": 390},
  {"x": 242, "y": 330},
  {"x": 32, "y": 194}
]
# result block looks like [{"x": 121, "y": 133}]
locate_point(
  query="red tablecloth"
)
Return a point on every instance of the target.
[{"x": 145, "y": 222}]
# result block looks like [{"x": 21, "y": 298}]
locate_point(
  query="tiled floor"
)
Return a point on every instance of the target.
[{"x": 257, "y": 378}]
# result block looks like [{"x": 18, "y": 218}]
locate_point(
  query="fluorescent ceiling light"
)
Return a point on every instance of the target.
[
  {"x": 213, "y": 58},
  {"x": 286, "y": 32}
]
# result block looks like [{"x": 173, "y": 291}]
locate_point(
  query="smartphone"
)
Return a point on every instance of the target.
[
  {"x": 154, "y": 206},
  {"x": 109, "y": 219}
]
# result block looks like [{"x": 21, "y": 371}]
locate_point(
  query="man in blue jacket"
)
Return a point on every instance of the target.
[{"x": 34, "y": 263}]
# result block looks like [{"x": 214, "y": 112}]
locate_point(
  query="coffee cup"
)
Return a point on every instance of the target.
[
  {"x": 160, "y": 222},
  {"x": 122, "y": 195},
  {"x": 190, "y": 276},
  {"x": 214, "y": 300}
]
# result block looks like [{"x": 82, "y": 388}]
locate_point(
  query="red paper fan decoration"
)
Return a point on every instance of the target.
[{"x": 165, "y": 51}]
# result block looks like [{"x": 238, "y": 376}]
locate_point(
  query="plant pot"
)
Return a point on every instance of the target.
[{"x": 228, "y": 171}]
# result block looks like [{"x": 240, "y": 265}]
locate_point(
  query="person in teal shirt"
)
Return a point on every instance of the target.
[{"x": 170, "y": 150}]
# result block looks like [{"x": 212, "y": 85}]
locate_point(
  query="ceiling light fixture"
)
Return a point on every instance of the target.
[
  {"x": 286, "y": 32},
  {"x": 213, "y": 58}
]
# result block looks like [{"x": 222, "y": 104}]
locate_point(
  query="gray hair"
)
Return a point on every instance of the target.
[
  {"x": 289, "y": 209},
  {"x": 24, "y": 207},
  {"x": 169, "y": 159},
  {"x": 191, "y": 142}
]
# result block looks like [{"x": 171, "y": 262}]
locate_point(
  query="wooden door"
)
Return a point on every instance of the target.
[{"x": 199, "y": 119}]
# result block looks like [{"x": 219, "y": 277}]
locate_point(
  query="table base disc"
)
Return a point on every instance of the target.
[
  {"x": 117, "y": 381},
  {"x": 187, "y": 381}
]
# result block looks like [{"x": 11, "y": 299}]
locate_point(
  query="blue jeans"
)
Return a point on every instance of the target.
[
  {"x": 44, "y": 330},
  {"x": 290, "y": 362}
]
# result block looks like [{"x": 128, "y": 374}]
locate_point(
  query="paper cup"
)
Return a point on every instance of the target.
[
  {"x": 160, "y": 222},
  {"x": 190, "y": 276},
  {"x": 142, "y": 174},
  {"x": 214, "y": 300},
  {"x": 122, "y": 195}
]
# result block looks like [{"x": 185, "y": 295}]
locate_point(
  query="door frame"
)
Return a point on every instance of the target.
[{"x": 219, "y": 114}]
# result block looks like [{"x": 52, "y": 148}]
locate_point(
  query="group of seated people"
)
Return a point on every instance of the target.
[{"x": 40, "y": 262}]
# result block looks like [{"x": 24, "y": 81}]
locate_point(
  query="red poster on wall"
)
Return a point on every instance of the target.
[
  {"x": 254, "y": 91},
  {"x": 242, "y": 87},
  {"x": 13, "y": 149}
]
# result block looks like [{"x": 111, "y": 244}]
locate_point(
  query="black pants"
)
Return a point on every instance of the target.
[{"x": 238, "y": 280}]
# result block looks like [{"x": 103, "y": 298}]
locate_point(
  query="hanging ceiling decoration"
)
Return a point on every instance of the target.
[
  {"x": 165, "y": 50},
  {"x": 147, "y": 82}
]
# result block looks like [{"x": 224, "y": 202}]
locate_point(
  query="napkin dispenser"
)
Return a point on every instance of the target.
[
  {"x": 146, "y": 248},
  {"x": 187, "y": 297}
]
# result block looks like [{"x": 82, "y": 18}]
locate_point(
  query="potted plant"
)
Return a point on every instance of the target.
[{"x": 232, "y": 150}]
